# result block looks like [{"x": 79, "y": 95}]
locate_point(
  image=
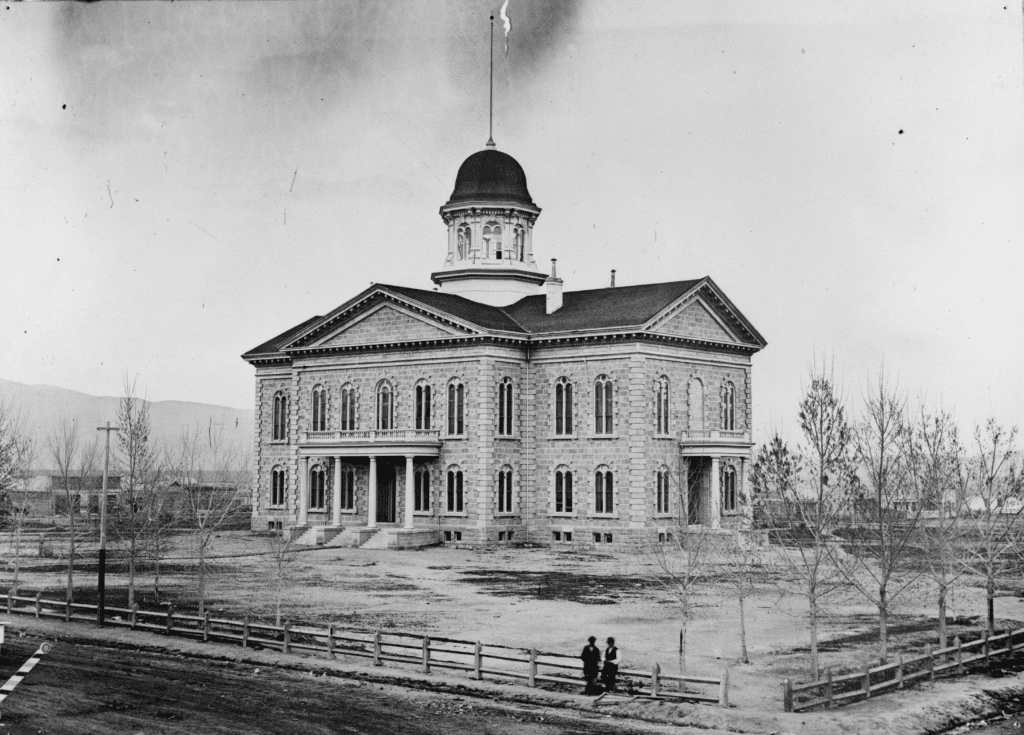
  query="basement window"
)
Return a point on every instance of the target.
[
  {"x": 607, "y": 538},
  {"x": 447, "y": 535},
  {"x": 557, "y": 535},
  {"x": 597, "y": 538},
  {"x": 458, "y": 535}
]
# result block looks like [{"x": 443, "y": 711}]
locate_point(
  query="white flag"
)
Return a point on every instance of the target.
[{"x": 507, "y": 22}]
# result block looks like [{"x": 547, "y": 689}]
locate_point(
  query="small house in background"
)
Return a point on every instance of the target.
[
  {"x": 45, "y": 497},
  {"x": 184, "y": 499}
]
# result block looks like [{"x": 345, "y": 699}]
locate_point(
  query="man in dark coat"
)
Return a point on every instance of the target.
[{"x": 591, "y": 666}]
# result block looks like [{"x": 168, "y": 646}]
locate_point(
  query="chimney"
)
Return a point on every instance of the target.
[
  {"x": 553, "y": 288},
  {"x": 613, "y": 278}
]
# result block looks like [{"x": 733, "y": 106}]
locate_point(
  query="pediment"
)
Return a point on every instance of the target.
[
  {"x": 695, "y": 318},
  {"x": 385, "y": 323}
]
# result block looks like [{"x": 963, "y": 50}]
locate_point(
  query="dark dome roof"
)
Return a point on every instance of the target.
[{"x": 491, "y": 176}]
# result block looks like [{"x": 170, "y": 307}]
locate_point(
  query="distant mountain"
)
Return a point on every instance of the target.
[{"x": 42, "y": 405}]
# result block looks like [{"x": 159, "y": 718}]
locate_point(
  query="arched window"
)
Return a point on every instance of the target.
[
  {"x": 280, "y": 416},
  {"x": 492, "y": 240},
  {"x": 603, "y": 405},
  {"x": 317, "y": 487},
  {"x": 563, "y": 407},
  {"x": 422, "y": 405},
  {"x": 563, "y": 490},
  {"x": 464, "y": 242},
  {"x": 319, "y": 408},
  {"x": 662, "y": 490},
  {"x": 505, "y": 489},
  {"x": 728, "y": 406},
  {"x": 348, "y": 487},
  {"x": 421, "y": 494},
  {"x": 696, "y": 404},
  {"x": 456, "y": 408},
  {"x": 661, "y": 406},
  {"x": 348, "y": 407},
  {"x": 385, "y": 406},
  {"x": 604, "y": 492},
  {"x": 728, "y": 482},
  {"x": 455, "y": 496},
  {"x": 277, "y": 478},
  {"x": 519, "y": 244},
  {"x": 505, "y": 407}
]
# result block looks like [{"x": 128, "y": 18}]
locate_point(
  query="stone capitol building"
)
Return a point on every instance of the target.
[{"x": 498, "y": 408}]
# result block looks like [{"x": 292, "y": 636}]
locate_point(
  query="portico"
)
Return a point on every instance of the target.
[{"x": 714, "y": 473}]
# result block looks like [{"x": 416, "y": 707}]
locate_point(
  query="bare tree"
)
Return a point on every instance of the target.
[
  {"x": 63, "y": 445},
  {"x": 17, "y": 453},
  {"x": 994, "y": 511},
  {"x": 745, "y": 565},
  {"x": 813, "y": 487},
  {"x": 209, "y": 475},
  {"x": 940, "y": 474},
  {"x": 162, "y": 518},
  {"x": 137, "y": 464},
  {"x": 279, "y": 550},
  {"x": 880, "y": 563}
]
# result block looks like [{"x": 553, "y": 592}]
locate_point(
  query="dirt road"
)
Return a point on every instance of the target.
[{"x": 86, "y": 689}]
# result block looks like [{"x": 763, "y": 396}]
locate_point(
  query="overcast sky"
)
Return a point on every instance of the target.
[{"x": 183, "y": 181}]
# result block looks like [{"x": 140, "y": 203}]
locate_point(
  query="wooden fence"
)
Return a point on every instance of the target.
[
  {"x": 423, "y": 652},
  {"x": 833, "y": 691}
]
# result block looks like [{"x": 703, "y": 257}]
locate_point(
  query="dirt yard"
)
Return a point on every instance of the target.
[{"x": 529, "y": 597}]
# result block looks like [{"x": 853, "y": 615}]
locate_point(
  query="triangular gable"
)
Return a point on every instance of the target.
[
  {"x": 705, "y": 314},
  {"x": 386, "y": 322},
  {"x": 377, "y": 316}
]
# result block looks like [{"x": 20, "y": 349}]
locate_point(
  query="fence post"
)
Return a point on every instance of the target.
[
  {"x": 330, "y": 641},
  {"x": 959, "y": 656},
  {"x": 170, "y": 618},
  {"x": 532, "y": 681},
  {"x": 426, "y": 655},
  {"x": 931, "y": 662},
  {"x": 723, "y": 689},
  {"x": 828, "y": 687},
  {"x": 39, "y": 604},
  {"x": 899, "y": 671},
  {"x": 135, "y": 615},
  {"x": 787, "y": 695},
  {"x": 376, "y": 648},
  {"x": 286, "y": 646},
  {"x": 867, "y": 680},
  {"x": 655, "y": 681},
  {"x": 478, "y": 661}
]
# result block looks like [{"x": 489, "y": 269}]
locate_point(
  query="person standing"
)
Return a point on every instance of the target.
[
  {"x": 611, "y": 666},
  {"x": 591, "y": 657}
]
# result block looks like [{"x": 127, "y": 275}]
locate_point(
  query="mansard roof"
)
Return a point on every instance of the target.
[{"x": 625, "y": 308}]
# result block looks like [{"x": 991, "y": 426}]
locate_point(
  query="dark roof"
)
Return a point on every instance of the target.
[
  {"x": 600, "y": 308},
  {"x": 482, "y": 315},
  {"x": 491, "y": 176},
  {"x": 272, "y": 346}
]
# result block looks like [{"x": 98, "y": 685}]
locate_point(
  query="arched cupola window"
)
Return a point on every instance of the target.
[
  {"x": 519, "y": 244},
  {"x": 319, "y": 408},
  {"x": 492, "y": 240},
  {"x": 464, "y": 241},
  {"x": 385, "y": 406}
]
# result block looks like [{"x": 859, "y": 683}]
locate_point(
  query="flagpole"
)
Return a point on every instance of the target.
[{"x": 490, "y": 122}]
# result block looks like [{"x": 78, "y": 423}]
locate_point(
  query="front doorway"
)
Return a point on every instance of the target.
[
  {"x": 698, "y": 488},
  {"x": 386, "y": 500}
]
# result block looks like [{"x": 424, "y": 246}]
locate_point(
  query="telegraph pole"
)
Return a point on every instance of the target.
[{"x": 101, "y": 584}]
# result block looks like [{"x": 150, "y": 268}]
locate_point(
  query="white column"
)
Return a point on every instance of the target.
[
  {"x": 716, "y": 495},
  {"x": 409, "y": 489},
  {"x": 336, "y": 507},
  {"x": 303, "y": 490},
  {"x": 371, "y": 495}
]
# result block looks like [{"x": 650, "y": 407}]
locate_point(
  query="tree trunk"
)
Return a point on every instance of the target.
[
  {"x": 202, "y": 580},
  {"x": 883, "y": 624},
  {"x": 990, "y": 594},
  {"x": 813, "y": 615},
  {"x": 17, "y": 556},
  {"x": 71, "y": 557},
  {"x": 131, "y": 574},
  {"x": 942, "y": 616},
  {"x": 743, "y": 631},
  {"x": 682, "y": 641}
]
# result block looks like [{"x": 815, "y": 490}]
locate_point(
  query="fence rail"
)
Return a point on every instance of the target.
[
  {"x": 423, "y": 651},
  {"x": 955, "y": 660}
]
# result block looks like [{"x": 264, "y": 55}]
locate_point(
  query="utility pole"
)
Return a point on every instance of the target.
[{"x": 101, "y": 584}]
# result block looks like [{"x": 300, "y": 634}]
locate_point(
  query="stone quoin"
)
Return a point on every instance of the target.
[{"x": 498, "y": 408}]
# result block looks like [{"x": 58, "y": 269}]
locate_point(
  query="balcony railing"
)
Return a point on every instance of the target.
[
  {"x": 370, "y": 435},
  {"x": 714, "y": 436}
]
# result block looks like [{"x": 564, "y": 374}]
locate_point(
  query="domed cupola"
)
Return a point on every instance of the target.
[{"x": 490, "y": 217}]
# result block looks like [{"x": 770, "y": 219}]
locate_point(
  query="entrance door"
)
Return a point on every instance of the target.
[
  {"x": 386, "y": 494},
  {"x": 696, "y": 491}
]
